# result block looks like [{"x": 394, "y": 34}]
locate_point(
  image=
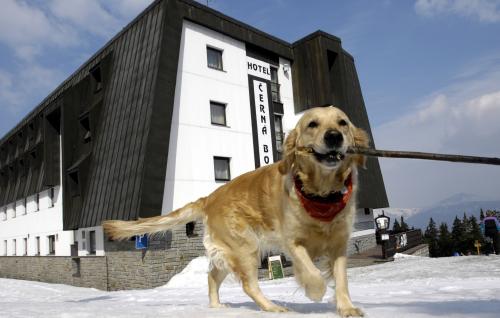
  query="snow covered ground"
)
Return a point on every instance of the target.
[{"x": 408, "y": 287}]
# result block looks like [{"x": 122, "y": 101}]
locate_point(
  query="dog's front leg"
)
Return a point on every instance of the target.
[
  {"x": 345, "y": 307},
  {"x": 306, "y": 273}
]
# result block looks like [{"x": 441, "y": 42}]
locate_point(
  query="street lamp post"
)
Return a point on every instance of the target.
[{"x": 382, "y": 222}]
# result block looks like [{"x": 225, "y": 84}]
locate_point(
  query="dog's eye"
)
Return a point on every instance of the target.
[
  {"x": 342, "y": 122},
  {"x": 312, "y": 124}
]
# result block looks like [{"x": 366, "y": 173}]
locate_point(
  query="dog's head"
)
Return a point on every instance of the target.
[{"x": 320, "y": 141}]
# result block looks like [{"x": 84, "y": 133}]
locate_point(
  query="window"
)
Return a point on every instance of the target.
[
  {"x": 92, "y": 248},
  {"x": 190, "y": 229},
  {"x": 85, "y": 133},
  {"x": 52, "y": 197},
  {"x": 74, "y": 186},
  {"x": 25, "y": 243},
  {"x": 37, "y": 251},
  {"x": 97, "y": 78},
  {"x": 221, "y": 168},
  {"x": 84, "y": 241},
  {"x": 37, "y": 202},
  {"x": 218, "y": 113},
  {"x": 214, "y": 58},
  {"x": 52, "y": 244},
  {"x": 5, "y": 248},
  {"x": 14, "y": 247},
  {"x": 275, "y": 86},
  {"x": 278, "y": 129}
]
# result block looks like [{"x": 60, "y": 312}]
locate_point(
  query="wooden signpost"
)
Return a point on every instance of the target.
[{"x": 478, "y": 246}]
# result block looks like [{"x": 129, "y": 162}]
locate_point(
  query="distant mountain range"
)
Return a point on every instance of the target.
[{"x": 443, "y": 211}]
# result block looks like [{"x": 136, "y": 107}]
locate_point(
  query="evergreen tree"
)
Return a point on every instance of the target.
[
  {"x": 403, "y": 226},
  {"x": 475, "y": 233},
  {"x": 457, "y": 235},
  {"x": 481, "y": 215},
  {"x": 431, "y": 238},
  {"x": 445, "y": 241},
  {"x": 396, "y": 228},
  {"x": 466, "y": 244}
]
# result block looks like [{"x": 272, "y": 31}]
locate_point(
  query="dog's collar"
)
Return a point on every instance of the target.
[{"x": 324, "y": 208}]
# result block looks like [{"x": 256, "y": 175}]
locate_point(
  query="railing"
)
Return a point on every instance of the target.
[{"x": 403, "y": 241}]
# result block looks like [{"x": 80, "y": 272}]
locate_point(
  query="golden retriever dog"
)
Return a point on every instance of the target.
[{"x": 305, "y": 204}]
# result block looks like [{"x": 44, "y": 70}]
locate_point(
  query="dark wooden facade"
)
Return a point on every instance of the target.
[
  {"x": 112, "y": 117},
  {"x": 324, "y": 74}
]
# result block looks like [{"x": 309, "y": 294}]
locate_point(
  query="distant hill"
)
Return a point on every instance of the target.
[
  {"x": 443, "y": 211},
  {"x": 447, "y": 213}
]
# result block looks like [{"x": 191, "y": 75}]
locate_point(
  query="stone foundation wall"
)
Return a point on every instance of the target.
[
  {"x": 361, "y": 243},
  {"x": 91, "y": 272},
  {"x": 420, "y": 250},
  {"x": 124, "y": 267},
  {"x": 166, "y": 256}
]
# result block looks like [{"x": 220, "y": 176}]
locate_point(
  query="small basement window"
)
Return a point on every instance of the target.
[
  {"x": 190, "y": 229},
  {"x": 222, "y": 169},
  {"x": 214, "y": 58}
]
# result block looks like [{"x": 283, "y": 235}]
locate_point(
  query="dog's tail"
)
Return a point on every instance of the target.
[{"x": 120, "y": 230}]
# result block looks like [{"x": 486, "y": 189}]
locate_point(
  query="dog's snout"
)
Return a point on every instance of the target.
[{"x": 333, "y": 138}]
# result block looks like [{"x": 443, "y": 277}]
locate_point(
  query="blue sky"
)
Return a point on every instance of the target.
[{"x": 429, "y": 70}]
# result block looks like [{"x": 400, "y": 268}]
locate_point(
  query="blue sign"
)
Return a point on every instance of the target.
[{"x": 141, "y": 242}]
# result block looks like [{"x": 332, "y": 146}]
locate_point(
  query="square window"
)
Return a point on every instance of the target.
[
  {"x": 218, "y": 113},
  {"x": 214, "y": 58},
  {"x": 221, "y": 168}
]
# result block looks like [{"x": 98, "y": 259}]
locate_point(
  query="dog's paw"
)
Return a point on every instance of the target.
[
  {"x": 218, "y": 305},
  {"x": 350, "y": 312},
  {"x": 315, "y": 288},
  {"x": 276, "y": 308}
]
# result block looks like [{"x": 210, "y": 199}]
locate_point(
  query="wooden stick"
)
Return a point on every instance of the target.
[{"x": 423, "y": 155}]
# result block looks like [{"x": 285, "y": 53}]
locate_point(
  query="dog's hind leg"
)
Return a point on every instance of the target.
[
  {"x": 246, "y": 269},
  {"x": 215, "y": 278}
]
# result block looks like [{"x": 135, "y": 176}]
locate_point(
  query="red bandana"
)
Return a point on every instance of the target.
[{"x": 324, "y": 208}]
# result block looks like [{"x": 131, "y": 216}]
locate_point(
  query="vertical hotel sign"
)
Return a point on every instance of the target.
[{"x": 259, "y": 74}]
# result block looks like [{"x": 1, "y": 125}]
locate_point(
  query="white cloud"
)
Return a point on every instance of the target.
[
  {"x": 86, "y": 15},
  {"x": 129, "y": 8},
  {"x": 26, "y": 29},
  {"x": 36, "y": 32},
  {"x": 16, "y": 89},
  {"x": 459, "y": 119},
  {"x": 483, "y": 10}
]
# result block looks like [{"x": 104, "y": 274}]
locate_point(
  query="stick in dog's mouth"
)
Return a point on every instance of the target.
[{"x": 329, "y": 157}]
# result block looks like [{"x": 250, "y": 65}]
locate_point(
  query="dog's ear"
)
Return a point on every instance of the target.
[
  {"x": 362, "y": 140},
  {"x": 288, "y": 152}
]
